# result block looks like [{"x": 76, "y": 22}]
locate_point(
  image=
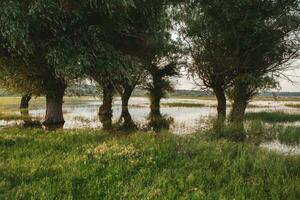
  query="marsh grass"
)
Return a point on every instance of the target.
[
  {"x": 12, "y": 117},
  {"x": 293, "y": 105},
  {"x": 260, "y": 132},
  {"x": 255, "y": 132},
  {"x": 178, "y": 104},
  {"x": 258, "y": 98},
  {"x": 289, "y": 135},
  {"x": 89, "y": 164},
  {"x": 273, "y": 117}
]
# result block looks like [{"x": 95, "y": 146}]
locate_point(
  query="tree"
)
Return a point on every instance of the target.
[
  {"x": 240, "y": 45},
  {"x": 26, "y": 45},
  {"x": 54, "y": 41},
  {"x": 159, "y": 84},
  {"x": 203, "y": 43},
  {"x": 106, "y": 46},
  {"x": 125, "y": 88}
]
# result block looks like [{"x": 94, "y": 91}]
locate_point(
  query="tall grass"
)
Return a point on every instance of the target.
[
  {"x": 178, "y": 104},
  {"x": 273, "y": 116},
  {"x": 89, "y": 164},
  {"x": 293, "y": 105}
]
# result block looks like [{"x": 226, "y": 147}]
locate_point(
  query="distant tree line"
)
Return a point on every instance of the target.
[{"x": 235, "y": 48}]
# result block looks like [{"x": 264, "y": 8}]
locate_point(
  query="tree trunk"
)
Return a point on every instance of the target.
[
  {"x": 105, "y": 110},
  {"x": 155, "y": 106},
  {"x": 128, "y": 123},
  {"x": 238, "y": 111},
  {"x": 54, "y": 102},
  {"x": 25, "y": 101},
  {"x": 221, "y": 108},
  {"x": 24, "y": 104}
]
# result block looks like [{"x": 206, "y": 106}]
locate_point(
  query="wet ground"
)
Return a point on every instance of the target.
[{"x": 83, "y": 113}]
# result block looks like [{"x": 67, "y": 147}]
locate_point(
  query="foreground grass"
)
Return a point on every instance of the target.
[{"x": 89, "y": 164}]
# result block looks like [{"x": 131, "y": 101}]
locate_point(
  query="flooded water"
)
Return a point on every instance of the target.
[
  {"x": 84, "y": 113},
  {"x": 186, "y": 120},
  {"x": 281, "y": 148}
]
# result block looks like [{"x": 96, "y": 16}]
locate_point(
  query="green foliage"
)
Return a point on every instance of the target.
[
  {"x": 90, "y": 164},
  {"x": 239, "y": 46}
]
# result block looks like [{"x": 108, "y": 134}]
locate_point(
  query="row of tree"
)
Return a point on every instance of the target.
[{"x": 234, "y": 47}]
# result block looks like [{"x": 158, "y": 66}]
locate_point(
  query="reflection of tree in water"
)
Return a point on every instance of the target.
[
  {"x": 125, "y": 121},
  {"x": 24, "y": 110},
  {"x": 159, "y": 122},
  {"x": 28, "y": 121},
  {"x": 105, "y": 110}
]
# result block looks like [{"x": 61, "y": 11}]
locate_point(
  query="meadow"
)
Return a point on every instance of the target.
[{"x": 90, "y": 164}]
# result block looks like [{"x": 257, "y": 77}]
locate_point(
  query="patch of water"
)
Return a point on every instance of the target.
[
  {"x": 281, "y": 148},
  {"x": 84, "y": 114}
]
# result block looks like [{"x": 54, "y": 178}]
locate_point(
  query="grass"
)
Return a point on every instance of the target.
[
  {"x": 192, "y": 105},
  {"x": 258, "y": 98},
  {"x": 273, "y": 116},
  {"x": 90, "y": 164},
  {"x": 11, "y": 117},
  {"x": 290, "y": 135},
  {"x": 293, "y": 105},
  {"x": 258, "y": 132}
]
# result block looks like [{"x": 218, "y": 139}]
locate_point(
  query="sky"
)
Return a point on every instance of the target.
[{"x": 286, "y": 86}]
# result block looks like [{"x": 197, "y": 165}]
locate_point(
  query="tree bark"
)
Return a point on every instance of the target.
[
  {"x": 221, "y": 107},
  {"x": 128, "y": 123},
  {"x": 238, "y": 111},
  {"x": 155, "y": 105},
  {"x": 54, "y": 102},
  {"x": 25, "y": 101},
  {"x": 105, "y": 110},
  {"x": 24, "y": 105}
]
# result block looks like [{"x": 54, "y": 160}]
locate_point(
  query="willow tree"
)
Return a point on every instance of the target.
[
  {"x": 239, "y": 46},
  {"x": 150, "y": 40},
  {"x": 58, "y": 41},
  {"x": 110, "y": 39},
  {"x": 269, "y": 43},
  {"x": 125, "y": 88},
  {"x": 202, "y": 41},
  {"x": 29, "y": 31}
]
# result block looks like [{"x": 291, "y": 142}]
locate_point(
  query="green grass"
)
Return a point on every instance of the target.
[
  {"x": 273, "y": 116},
  {"x": 182, "y": 104},
  {"x": 258, "y": 98},
  {"x": 11, "y": 117},
  {"x": 90, "y": 164},
  {"x": 293, "y": 105},
  {"x": 290, "y": 135}
]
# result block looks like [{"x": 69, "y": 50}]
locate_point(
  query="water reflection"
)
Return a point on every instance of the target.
[
  {"x": 282, "y": 148},
  {"x": 125, "y": 121},
  {"x": 158, "y": 122},
  {"x": 29, "y": 122},
  {"x": 179, "y": 120},
  {"x": 84, "y": 114}
]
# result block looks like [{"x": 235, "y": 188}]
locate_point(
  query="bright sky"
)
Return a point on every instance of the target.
[{"x": 184, "y": 83}]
